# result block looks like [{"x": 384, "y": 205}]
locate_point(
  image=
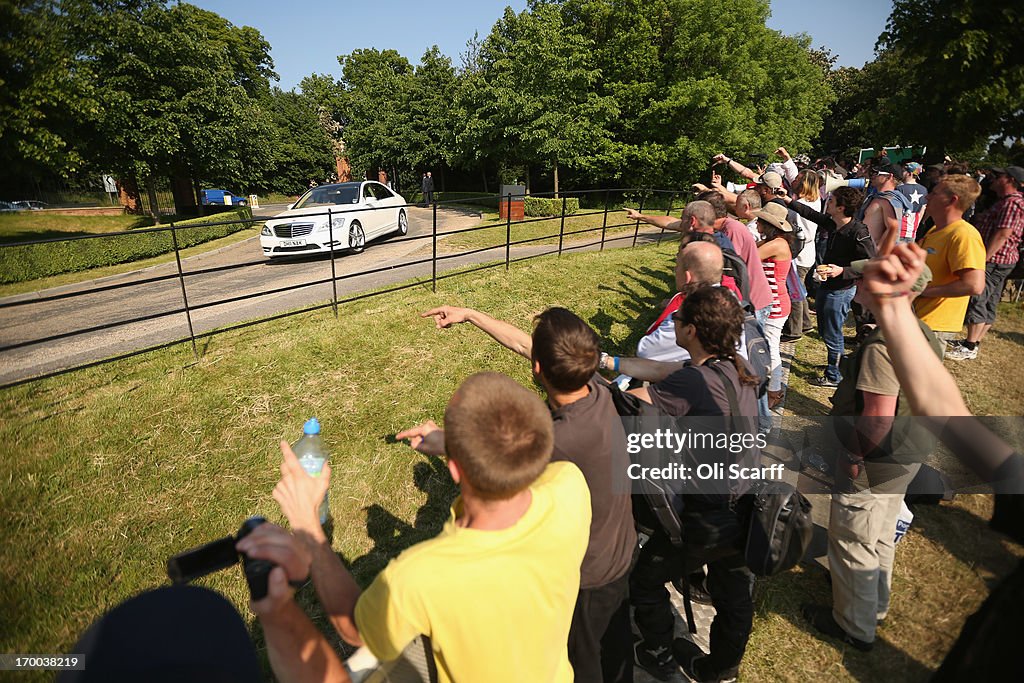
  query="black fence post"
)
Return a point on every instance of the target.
[
  {"x": 334, "y": 275},
  {"x": 508, "y": 228},
  {"x": 636, "y": 231},
  {"x": 561, "y": 228},
  {"x": 671, "y": 201},
  {"x": 184, "y": 296},
  {"x": 604, "y": 225},
  {"x": 433, "y": 259}
]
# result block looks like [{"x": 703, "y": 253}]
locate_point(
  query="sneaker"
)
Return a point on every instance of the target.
[
  {"x": 659, "y": 662},
  {"x": 695, "y": 664},
  {"x": 954, "y": 343},
  {"x": 823, "y": 381},
  {"x": 790, "y": 337},
  {"x": 820, "y": 617},
  {"x": 961, "y": 352}
]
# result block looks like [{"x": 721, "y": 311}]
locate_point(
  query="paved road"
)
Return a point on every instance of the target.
[
  {"x": 136, "y": 297},
  {"x": 26, "y": 318}
]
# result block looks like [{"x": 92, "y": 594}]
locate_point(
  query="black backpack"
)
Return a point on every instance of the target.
[
  {"x": 735, "y": 267},
  {"x": 780, "y": 527},
  {"x": 758, "y": 356}
]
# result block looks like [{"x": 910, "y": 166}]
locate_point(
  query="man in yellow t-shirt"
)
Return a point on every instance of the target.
[
  {"x": 496, "y": 589},
  {"x": 956, "y": 257}
]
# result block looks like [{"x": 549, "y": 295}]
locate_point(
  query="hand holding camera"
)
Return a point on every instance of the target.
[{"x": 259, "y": 546}]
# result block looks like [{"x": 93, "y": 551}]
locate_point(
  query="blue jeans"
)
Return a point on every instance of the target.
[
  {"x": 764, "y": 416},
  {"x": 833, "y": 306}
]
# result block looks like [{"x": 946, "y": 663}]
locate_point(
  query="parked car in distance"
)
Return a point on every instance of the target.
[
  {"x": 359, "y": 212},
  {"x": 7, "y": 206},
  {"x": 221, "y": 198},
  {"x": 30, "y": 205}
]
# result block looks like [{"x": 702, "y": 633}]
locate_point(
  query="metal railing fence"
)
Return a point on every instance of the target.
[{"x": 647, "y": 198}]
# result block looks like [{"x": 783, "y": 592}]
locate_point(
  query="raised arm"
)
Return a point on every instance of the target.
[
  {"x": 299, "y": 496},
  {"x": 507, "y": 335},
  {"x": 735, "y": 166},
  {"x": 665, "y": 222},
  {"x": 822, "y": 220}
]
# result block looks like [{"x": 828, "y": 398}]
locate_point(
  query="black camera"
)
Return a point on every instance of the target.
[{"x": 221, "y": 554}]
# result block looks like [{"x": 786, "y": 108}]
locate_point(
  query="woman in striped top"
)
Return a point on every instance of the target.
[{"x": 776, "y": 252}]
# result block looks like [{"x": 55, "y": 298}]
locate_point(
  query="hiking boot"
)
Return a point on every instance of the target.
[
  {"x": 657, "y": 662},
  {"x": 823, "y": 381},
  {"x": 961, "y": 352},
  {"x": 696, "y": 665},
  {"x": 820, "y": 617}
]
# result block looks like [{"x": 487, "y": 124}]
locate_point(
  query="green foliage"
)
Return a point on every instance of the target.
[
  {"x": 30, "y": 262},
  {"x": 538, "y": 98},
  {"x": 949, "y": 74},
  {"x": 542, "y": 206},
  {"x": 301, "y": 150},
  {"x": 38, "y": 102},
  {"x": 376, "y": 90}
]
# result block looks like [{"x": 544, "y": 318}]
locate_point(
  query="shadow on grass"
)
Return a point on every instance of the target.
[
  {"x": 1013, "y": 337},
  {"x": 390, "y": 535},
  {"x": 784, "y": 594},
  {"x": 968, "y": 538},
  {"x": 32, "y": 235},
  {"x": 642, "y": 290}
]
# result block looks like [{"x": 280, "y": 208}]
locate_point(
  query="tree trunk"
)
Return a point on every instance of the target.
[
  {"x": 556, "y": 178},
  {"x": 200, "y": 209},
  {"x": 483, "y": 174},
  {"x": 440, "y": 171},
  {"x": 154, "y": 209},
  {"x": 184, "y": 194}
]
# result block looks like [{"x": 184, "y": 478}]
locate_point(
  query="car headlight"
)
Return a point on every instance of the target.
[
  {"x": 266, "y": 231},
  {"x": 339, "y": 223}
]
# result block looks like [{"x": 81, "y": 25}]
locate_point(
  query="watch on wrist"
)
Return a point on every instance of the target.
[
  {"x": 603, "y": 362},
  {"x": 853, "y": 458}
]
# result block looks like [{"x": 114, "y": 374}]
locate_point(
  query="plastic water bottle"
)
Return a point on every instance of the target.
[{"x": 312, "y": 455}]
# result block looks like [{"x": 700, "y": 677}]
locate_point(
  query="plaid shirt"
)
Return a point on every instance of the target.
[{"x": 1008, "y": 212}]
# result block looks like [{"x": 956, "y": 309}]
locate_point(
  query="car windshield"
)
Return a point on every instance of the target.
[{"x": 329, "y": 195}]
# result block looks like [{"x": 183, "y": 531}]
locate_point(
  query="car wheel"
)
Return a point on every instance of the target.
[
  {"x": 356, "y": 238},
  {"x": 403, "y": 223}
]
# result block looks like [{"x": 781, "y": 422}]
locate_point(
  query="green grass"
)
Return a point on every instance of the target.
[
  {"x": 278, "y": 198},
  {"x": 113, "y": 469},
  {"x": 20, "y": 226},
  {"x": 546, "y": 231}
]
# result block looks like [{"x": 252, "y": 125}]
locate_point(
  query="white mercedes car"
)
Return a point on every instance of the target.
[{"x": 359, "y": 212}]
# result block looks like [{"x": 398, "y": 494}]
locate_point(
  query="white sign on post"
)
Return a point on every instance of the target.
[{"x": 109, "y": 186}]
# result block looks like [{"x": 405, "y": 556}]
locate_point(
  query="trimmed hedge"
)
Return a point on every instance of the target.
[
  {"x": 536, "y": 207},
  {"x": 34, "y": 261}
]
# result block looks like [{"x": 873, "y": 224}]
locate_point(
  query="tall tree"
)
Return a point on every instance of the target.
[
  {"x": 179, "y": 91},
  {"x": 964, "y": 71},
  {"x": 434, "y": 90},
  {"x": 301, "y": 148},
  {"x": 540, "y": 99},
  {"x": 375, "y": 104},
  {"x": 39, "y": 97}
]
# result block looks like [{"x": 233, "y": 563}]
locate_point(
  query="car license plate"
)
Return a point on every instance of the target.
[{"x": 293, "y": 243}]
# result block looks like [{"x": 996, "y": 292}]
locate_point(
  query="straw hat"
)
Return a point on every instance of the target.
[{"x": 775, "y": 214}]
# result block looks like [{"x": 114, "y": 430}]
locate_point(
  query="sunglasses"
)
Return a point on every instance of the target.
[{"x": 678, "y": 317}]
